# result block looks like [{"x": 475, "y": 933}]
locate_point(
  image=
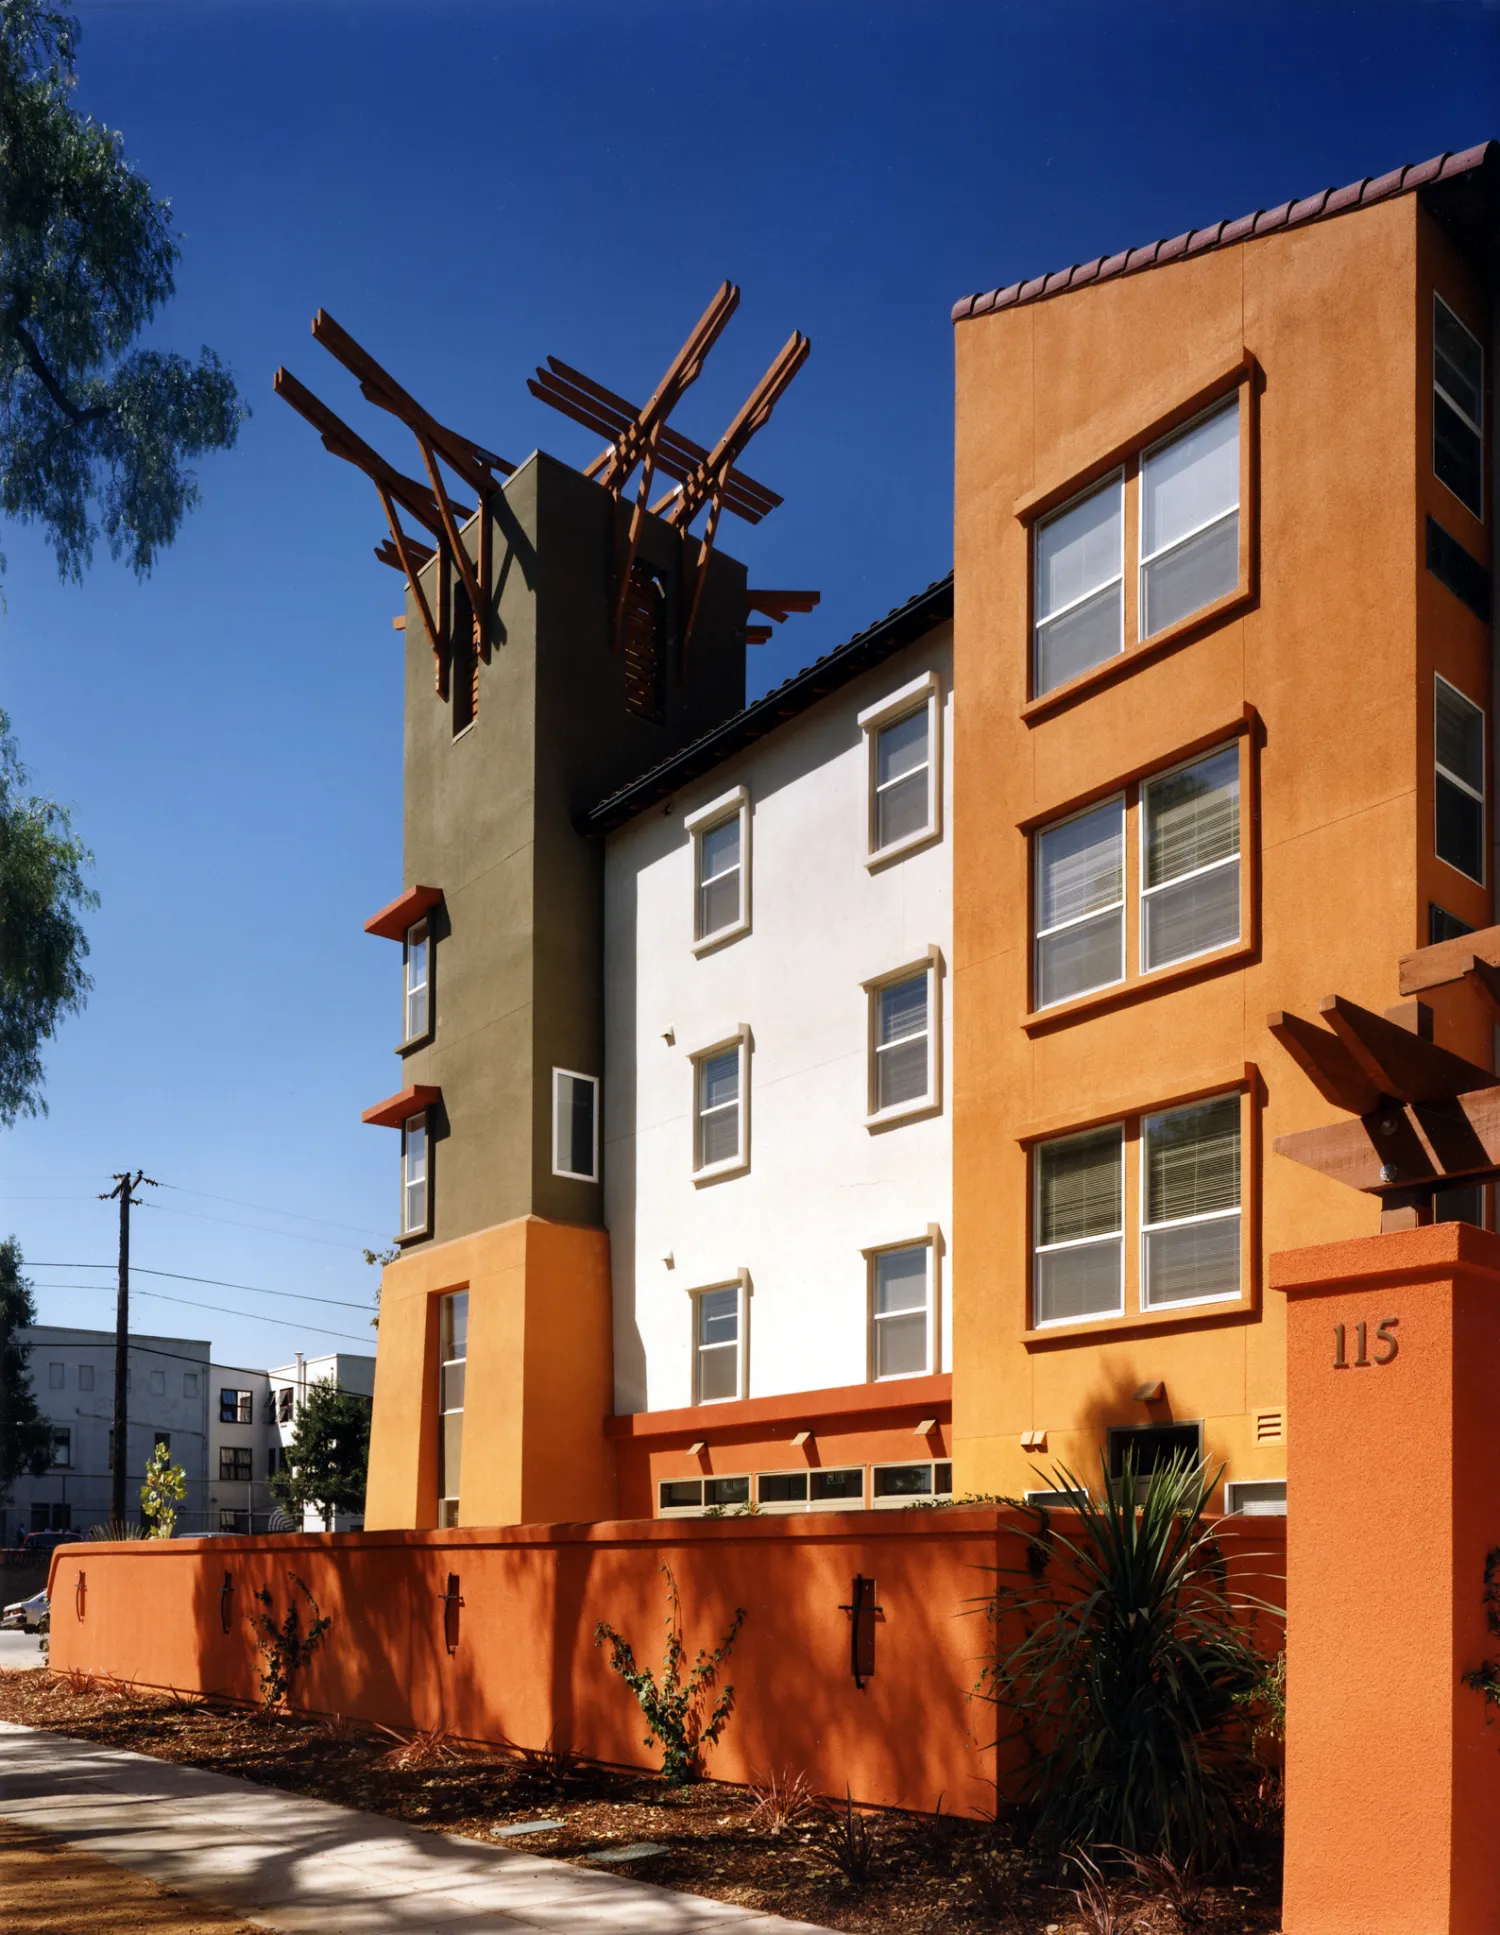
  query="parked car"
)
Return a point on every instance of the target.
[
  {"x": 26, "y": 1615},
  {"x": 41, "y": 1545}
]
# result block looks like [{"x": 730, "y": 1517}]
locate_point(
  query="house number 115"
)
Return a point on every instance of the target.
[{"x": 1386, "y": 1346}]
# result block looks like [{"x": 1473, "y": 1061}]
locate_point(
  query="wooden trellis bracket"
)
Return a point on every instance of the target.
[{"x": 778, "y": 606}]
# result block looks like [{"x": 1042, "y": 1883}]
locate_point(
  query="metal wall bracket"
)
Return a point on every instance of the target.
[
  {"x": 451, "y": 1601},
  {"x": 80, "y": 1594},
  {"x": 226, "y": 1592},
  {"x": 863, "y": 1612}
]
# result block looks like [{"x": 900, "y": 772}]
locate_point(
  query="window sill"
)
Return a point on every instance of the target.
[
  {"x": 721, "y": 1172},
  {"x": 411, "y": 1236},
  {"x": 414, "y": 1042},
  {"x": 1124, "y": 663},
  {"x": 900, "y": 849},
  {"x": 1122, "y": 994},
  {"x": 711, "y": 943},
  {"x": 1088, "y": 1329},
  {"x": 898, "y": 1118}
]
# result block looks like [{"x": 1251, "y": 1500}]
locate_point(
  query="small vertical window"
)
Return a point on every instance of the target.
[
  {"x": 1080, "y": 904},
  {"x": 285, "y": 1399},
  {"x": 414, "y": 1203},
  {"x": 1079, "y": 601},
  {"x": 903, "y": 776},
  {"x": 716, "y": 1319},
  {"x": 189, "y": 1384},
  {"x": 417, "y": 950},
  {"x": 644, "y": 626},
  {"x": 1190, "y": 863},
  {"x": 453, "y": 1352},
  {"x": 85, "y": 1377},
  {"x": 575, "y": 1125},
  {"x": 157, "y": 1384},
  {"x": 1078, "y": 1268},
  {"x": 62, "y": 1445},
  {"x": 1190, "y": 1213},
  {"x": 1457, "y": 408},
  {"x": 718, "y": 877},
  {"x": 1190, "y": 520},
  {"x": 720, "y": 1140},
  {"x": 900, "y": 1311},
  {"x": 56, "y": 1375},
  {"x": 1458, "y": 730},
  {"x": 902, "y": 1074}
]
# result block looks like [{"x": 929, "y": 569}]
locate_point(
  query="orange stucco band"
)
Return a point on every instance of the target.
[
  {"x": 538, "y": 1381},
  {"x": 1393, "y": 1776}
]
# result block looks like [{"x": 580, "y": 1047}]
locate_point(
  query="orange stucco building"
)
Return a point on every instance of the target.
[{"x": 1224, "y": 527}]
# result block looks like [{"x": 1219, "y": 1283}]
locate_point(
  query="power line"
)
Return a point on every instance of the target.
[
  {"x": 181, "y": 1357},
  {"x": 223, "y": 1310},
  {"x": 328, "y": 1222},
  {"x": 218, "y": 1283},
  {"x": 234, "y": 1223}
]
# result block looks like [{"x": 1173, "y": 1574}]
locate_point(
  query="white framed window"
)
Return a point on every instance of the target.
[
  {"x": 1078, "y": 586},
  {"x": 903, "y": 1305},
  {"x": 235, "y": 1407},
  {"x": 1256, "y": 1497},
  {"x": 692, "y": 1497},
  {"x": 62, "y": 1445},
  {"x": 1062, "y": 1500},
  {"x": 575, "y": 1125},
  {"x": 1079, "y": 1227},
  {"x": 719, "y": 1355},
  {"x": 905, "y": 1042},
  {"x": 453, "y": 1354},
  {"x": 1080, "y": 903},
  {"x": 721, "y": 869},
  {"x": 1458, "y": 758},
  {"x": 892, "y": 1486},
  {"x": 417, "y": 978},
  {"x": 721, "y": 1108},
  {"x": 903, "y": 744},
  {"x": 415, "y": 1201},
  {"x": 1457, "y": 408},
  {"x": 1190, "y": 519},
  {"x": 813, "y": 1489},
  {"x": 1190, "y": 859},
  {"x": 1190, "y": 1204}
]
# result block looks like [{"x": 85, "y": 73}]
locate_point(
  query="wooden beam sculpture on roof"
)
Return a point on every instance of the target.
[
  {"x": 1420, "y": 1117},
  {"x": 429, "y": 503},
  {"x": 643, "y": 438}
]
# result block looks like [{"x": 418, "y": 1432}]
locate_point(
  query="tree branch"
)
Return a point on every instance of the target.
[{"x": 39, "y": 369}]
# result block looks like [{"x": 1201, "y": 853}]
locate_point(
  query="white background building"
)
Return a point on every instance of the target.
[{"x": 252, "y": 1415}]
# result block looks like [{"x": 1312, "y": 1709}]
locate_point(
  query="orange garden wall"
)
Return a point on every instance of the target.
[{"x": 525, "y": 1668}]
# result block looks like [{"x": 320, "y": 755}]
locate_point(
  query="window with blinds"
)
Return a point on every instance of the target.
[
  {"x": 1078, "y": 596},
  {"x": 903, "y": 1043},
  {"x": 1458, "y": 733},
  {"x": 1457, "y": 408},
  {"x": 1190, "y": 520},
  {"x": 719, "y": 1138},
  {"x": 899, "y": 1312},
  {"x": 1190, "y": 1210},
  {"x": 902, "y": 806},
  {"x": 414, "y": 1198},
  {"x": 1079, "y": 1227},
  {"x": 716, "y": 1319},
  {"x": 453, "y": 1353},
  {"x": 1190, "y": 860},
  {"x": 719, "y": 877},
  {"x": 1080, "y": 903}
]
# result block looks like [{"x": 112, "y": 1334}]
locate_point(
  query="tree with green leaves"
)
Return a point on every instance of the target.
[
  {"x": 329, "y": 1454},
  {"x": 94, "y": 432},
  {"x": 25, "y": 1435},
  {"x": 42, "y": 942},
  {"x": 161, "y": 1494}
]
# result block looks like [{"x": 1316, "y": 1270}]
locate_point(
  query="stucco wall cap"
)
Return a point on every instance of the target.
[{"x": 1406, "y": 1256}]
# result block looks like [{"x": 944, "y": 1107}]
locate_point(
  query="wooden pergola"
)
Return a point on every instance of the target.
[{"x": 1417, "y": 1118}]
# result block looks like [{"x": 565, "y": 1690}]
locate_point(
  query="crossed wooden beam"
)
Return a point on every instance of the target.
[
  {"x": 428, "y": 503},
  {"x": 1421, "y": 1116},
  {"x": 643, "y": 438}
]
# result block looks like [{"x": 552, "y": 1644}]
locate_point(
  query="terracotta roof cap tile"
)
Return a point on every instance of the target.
[{"x": 1311, "y": 208}]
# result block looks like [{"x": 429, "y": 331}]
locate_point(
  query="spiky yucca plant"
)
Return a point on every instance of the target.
[{"x": 1133, "y": 1651}]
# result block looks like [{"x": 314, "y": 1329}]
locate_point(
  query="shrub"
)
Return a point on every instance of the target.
[
  {"x": 778, "y": 1805},
  {"x": 673, "y": 1710},
  {"x": 1134, "y": 1652},
  {"x": 845, "y": 1841},
  {"x": 285, "y": 1648},
  {"x": 161, "y": 1494}
]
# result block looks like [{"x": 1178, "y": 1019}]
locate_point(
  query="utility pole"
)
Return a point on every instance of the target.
[{"x": 124, "y": 1184}]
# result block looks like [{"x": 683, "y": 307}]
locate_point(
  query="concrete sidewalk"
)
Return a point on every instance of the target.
[{"x": 293, "y": 1864}]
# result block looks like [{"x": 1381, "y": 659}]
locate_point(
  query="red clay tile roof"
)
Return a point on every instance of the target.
[{"x": 1221, "y": 235}]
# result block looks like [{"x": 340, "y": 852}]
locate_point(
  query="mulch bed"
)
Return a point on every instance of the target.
[{"x": 939, "y": 1877}]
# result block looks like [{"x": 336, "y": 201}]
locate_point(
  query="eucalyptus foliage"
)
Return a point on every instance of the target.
[
  {"x": 94, "y": 433},
  {"x": 42, "y": 942},
  {"x": 1128, "y": 1679}
]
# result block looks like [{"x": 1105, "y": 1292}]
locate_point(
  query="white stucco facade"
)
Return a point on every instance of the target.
[
  {"x": 822, "y": 1177},
  {"x": 252, "y": 1416}
]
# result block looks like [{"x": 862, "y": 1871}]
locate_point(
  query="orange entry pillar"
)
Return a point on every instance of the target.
[{"x": 1393, "y": 1487}]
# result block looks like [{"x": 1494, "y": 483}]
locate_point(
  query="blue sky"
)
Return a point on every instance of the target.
[{"x": 468, "y": 185}]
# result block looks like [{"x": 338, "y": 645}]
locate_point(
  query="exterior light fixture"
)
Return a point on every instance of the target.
[{"x": 1033, "y": 1441}]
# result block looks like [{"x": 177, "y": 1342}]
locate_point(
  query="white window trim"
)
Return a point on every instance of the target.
[
  {"x": 1116, "y": 478},
  {"x": 1440, "y": 771},
  {"x": 1184, "y": 1222},
  {"x": 931, "y": 1103},
  {"x": 1457, "y": 408},
  {"x": 1235, "y": 1486},
  {"x": 1221, "y": 407},
  {"x": 735, "y": 802},
  {"x": 931, "y": 1240},
  {"x": 784, "y": 1508},
  {"x": 1040, "y": 933},
  {"x": 408, "y": 988},
  {"x": 907, "y": 1499},
  {"x": 1237, "y": 859},
  {"x": 740, "y": 1281},
  {"x": 1075, "y": 1242},
  {"x": 700, "y": 1511},
  {"x": 739, "y": 1162},
  {"x": 409, "y": 1230},
  {"x": 926, "y": 690},
  {"x": 574, "y": 1175}
]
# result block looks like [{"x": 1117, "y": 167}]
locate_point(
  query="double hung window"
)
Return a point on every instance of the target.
[
  {"x": 1190, "y": 520},
  {"x": 1077, "y": 1268},
  {"x": 1190, "y": 860},
  {"x": 720, "y": 834},
  {"x": 904, "y": 1043},
  {"x": 1458, "y": 731},
  {"x": 418, "y": 1009},
  {"x": 1190, "y": 1219},
  {"x": 721, "y": 1138},
  {"x": 453, "y": 1352},
  {"x": 717, "y": 1344},
  {"x": 901, "y": 1311},
  {"x": 1079, "y": 586},
  {"x": 1080, "y": 903},
  {"x": 414, "y": 1194},
  {"x": 575, "y": 1125},
  {"x": 903, "y": 734},
  {"x": 1457, "y": 408}
]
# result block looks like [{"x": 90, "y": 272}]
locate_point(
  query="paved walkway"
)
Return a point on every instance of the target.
[
  {"x": 297, "y": 1865},
  {"x": 20, "y": 1652}
]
